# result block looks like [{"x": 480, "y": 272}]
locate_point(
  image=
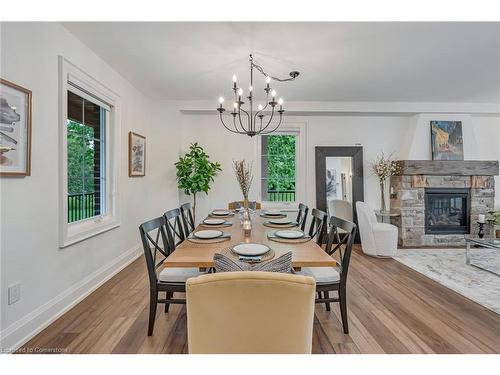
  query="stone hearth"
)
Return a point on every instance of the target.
[{"x": 408, "y": 197}]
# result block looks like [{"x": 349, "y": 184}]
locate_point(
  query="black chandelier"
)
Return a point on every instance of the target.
[{"x": 255, "y": 122}]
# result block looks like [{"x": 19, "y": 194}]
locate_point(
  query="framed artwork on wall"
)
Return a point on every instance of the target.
[
  {"x": 136, "y": 155},
  {"x": 447, "y": 140},
  {"x": 15, "y": 130}
]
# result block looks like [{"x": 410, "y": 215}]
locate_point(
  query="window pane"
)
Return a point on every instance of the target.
[
  {"x": 86, "y": 156},
  {"x": 278, "y": 168},
  {"x": 75, "y": 151}
]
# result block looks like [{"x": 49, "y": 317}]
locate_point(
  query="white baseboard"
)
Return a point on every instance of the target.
[{"x": 31, "y": 324}]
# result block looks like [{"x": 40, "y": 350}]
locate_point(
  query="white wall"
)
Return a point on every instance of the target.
[
  {"x": 375, "y": 133},
  {"x": 407, "y": 136},
  {"x": 51, "y": 277},
  {"x": 487, "y": 132}
]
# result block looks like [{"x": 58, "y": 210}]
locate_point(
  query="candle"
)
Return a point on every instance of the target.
[{"x": 481, "y": 218}]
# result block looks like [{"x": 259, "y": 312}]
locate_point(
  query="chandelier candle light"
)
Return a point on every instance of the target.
[{"x": 255, "y": 122}]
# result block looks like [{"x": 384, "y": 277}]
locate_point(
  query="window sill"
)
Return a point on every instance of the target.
[{"x": 81, "y": 231}]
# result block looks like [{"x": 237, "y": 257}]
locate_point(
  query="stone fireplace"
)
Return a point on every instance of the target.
[{"x": 440, "y": 201}]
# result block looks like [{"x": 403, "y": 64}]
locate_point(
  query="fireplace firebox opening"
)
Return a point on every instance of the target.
[{"x": 447, "y": 211}]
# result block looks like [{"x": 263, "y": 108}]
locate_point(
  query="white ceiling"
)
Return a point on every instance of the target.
[{"x": 404, "y": 62}]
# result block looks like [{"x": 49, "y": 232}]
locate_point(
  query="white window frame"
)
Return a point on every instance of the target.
[
  {"x": 299, "y": 130},
  {"x": 70, "y": 233}
]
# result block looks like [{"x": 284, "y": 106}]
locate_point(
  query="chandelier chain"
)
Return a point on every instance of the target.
[{"x": 260, "y": 69}]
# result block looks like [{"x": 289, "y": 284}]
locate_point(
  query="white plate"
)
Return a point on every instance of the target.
[
  {"x": 291, "y": 234},
  {"x": 207, "y": 234},
  {"x": 283, "y": 221},
  {"x": 220, "y": 212},
  {"x": 273, "y": 212},
  {"x": 250, "y": 249},
  {"x": 214, "y": 221}
]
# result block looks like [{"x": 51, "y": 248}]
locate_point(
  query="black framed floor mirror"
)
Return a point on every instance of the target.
[{"x": 339, "y": 181}]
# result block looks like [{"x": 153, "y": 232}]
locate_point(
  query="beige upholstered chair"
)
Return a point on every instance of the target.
[{"x": 250, "y": 312}]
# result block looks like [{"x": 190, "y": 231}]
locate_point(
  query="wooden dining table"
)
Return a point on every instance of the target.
[{"x": 190, "y": 254}]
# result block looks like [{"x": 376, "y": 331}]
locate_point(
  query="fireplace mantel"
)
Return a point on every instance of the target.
[{"x": 449, "y": 167}]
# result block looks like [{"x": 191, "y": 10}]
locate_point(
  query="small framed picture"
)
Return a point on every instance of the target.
[
  {"x": 15, "y": 130},
  {"x": 136, "y": 155}
]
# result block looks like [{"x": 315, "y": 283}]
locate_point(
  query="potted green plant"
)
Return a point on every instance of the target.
[
  {"x": 494, "y": 220},
  {"x": 195, "y": 172}
]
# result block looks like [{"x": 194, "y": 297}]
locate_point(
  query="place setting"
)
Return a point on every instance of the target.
[
  {"x": 221, "y": 213},
  {"x": 249, "y": 252},
  {"x": 280, "y": 223},
  {"x": 288, "y": 236},
  {"x": 208, "y": 236},
  {"x": 215, "y": 222},
  {"x": 273, "y": 214}
]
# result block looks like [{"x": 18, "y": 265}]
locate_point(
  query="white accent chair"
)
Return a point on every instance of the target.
[{"x": 377, "y": 239}]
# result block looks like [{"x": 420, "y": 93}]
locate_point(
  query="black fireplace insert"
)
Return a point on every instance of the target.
[{"x": 447, "y": 211}]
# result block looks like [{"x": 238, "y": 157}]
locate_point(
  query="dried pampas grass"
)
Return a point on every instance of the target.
[{"x": 244, "y": 175}]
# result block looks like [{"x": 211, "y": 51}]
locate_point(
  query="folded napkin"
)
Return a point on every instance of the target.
[{"x": 244, "y": 258}]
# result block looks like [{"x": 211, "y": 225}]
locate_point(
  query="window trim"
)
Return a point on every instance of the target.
[
  {"x": 298, "y": 129},
  {"x": 71, "y": 233}
]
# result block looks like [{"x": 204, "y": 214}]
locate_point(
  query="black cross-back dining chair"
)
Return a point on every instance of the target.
[
  {"x": 156, "y": 250},
  {"x": 317, "y": 228},
  {"x": 335, "y": 278},
  {"x": 302, "y": 216},
  {"x": 175, "y": 232},
  {"x": 187, "y": 218}
]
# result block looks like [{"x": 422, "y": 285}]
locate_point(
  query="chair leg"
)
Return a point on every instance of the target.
[
  {"x": 168, "y": 295},
  {"x": 319, "y": 295},
  {"x": 343, "y": 309},
  {"x": 326, "y": 294},
  {"x": 153, "y": 301}
]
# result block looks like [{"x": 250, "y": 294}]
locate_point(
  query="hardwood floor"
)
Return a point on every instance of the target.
[{"x": 392, "y": 309}]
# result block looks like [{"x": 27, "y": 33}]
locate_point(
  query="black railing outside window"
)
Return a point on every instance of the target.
[
  {"x": 80, "y": 206},
  {"x": 281, "y": 195}
]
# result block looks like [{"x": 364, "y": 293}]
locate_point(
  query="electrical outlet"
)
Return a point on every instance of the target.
[{"x": 14, "y": 293}]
